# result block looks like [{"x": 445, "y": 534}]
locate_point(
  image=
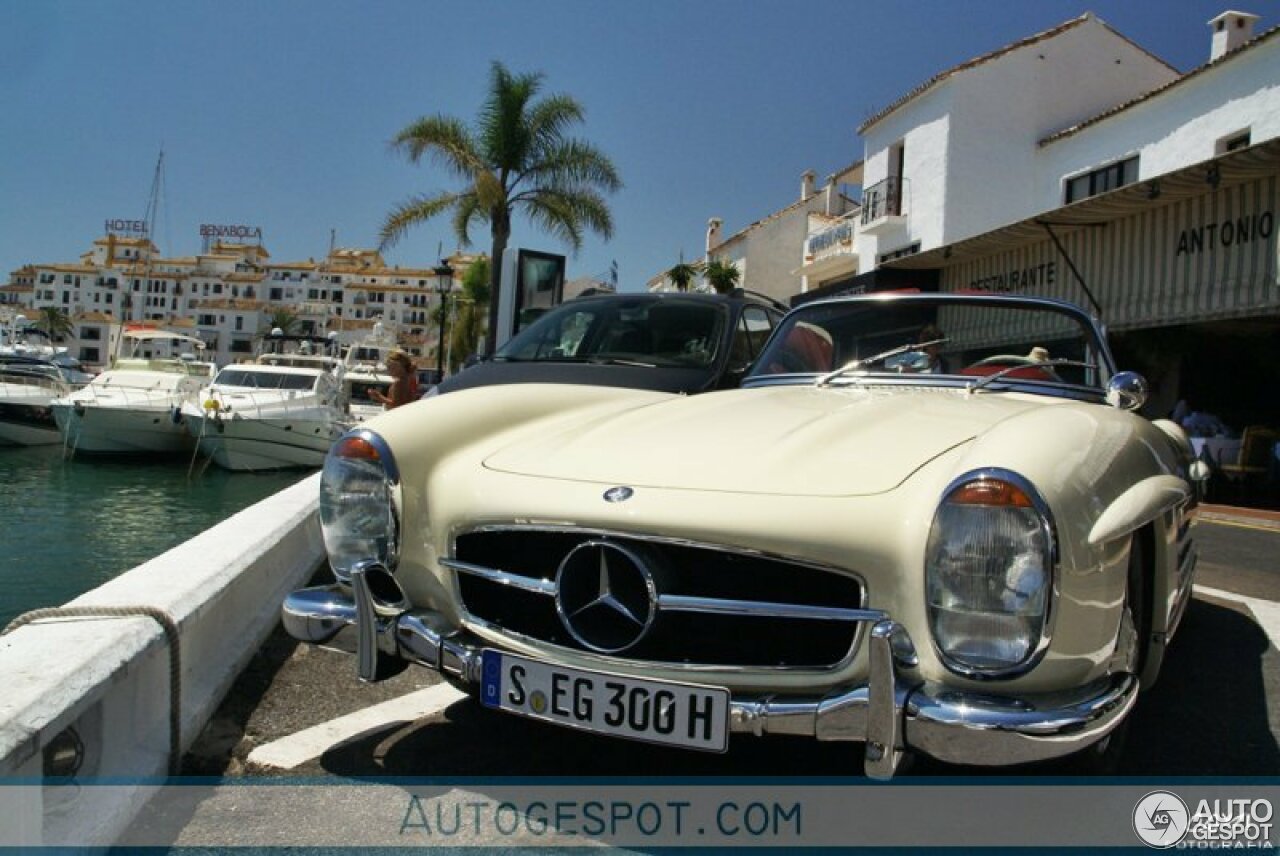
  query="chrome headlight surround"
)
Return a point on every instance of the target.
[
  {"x": 359, "y": 516},
  {"x": 991, "y": 575}
]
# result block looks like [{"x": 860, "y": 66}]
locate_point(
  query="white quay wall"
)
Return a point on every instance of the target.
[{"x": 109, "y": 677}]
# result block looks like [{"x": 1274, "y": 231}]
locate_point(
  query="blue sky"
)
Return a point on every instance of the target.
[{"x": 277, "y": 113}]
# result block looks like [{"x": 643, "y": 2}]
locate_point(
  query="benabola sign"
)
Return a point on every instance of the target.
[{"x": 209, "y": 230}]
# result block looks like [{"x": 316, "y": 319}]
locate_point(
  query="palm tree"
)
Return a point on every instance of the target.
[
  {"x": 286, "y": 321},
  {"x": 683, "y": 274},
  {"x": 54, "y": 323},
  {"x": 516, "y": 159},
  {"x": 722, "y": 275}
]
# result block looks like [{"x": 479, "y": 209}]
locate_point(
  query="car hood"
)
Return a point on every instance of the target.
[{"x": 798, "y": 441}]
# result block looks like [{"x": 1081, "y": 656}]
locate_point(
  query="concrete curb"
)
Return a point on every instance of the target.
[{"x": 102, "y": 685}]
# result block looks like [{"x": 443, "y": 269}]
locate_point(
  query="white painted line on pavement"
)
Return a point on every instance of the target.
[
  {"x": 1265, "y": 612},
  {"x": 288, "y": 752}
]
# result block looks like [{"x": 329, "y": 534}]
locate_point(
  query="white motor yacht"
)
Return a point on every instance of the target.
[
  {"x": 365, "y": 371},
  {"x": 281, "y": 411},
  {"x": 133, "y": 407},
  {"x": 27, "y": 387}
]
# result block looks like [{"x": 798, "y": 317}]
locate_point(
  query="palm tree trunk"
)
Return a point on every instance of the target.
[{"x": 501, "y": 233}]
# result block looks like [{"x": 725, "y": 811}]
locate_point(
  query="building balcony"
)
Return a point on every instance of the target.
[{"x": 884, "y": 206}]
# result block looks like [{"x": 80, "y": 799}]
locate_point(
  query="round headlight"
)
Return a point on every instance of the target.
[
  {"x": 989, "y": 575},
  {"x": 357, "y": 503}
]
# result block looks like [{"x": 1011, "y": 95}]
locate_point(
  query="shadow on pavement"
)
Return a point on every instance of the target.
[{"x": 1207, "y": 714}]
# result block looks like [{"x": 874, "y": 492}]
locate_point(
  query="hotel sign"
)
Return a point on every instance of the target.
[
  {"x": 126, "y": 227},
  {"x": 209, "y": 230}
]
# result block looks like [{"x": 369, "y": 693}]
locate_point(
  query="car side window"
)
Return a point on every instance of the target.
[{"x": 754, "y": 327}]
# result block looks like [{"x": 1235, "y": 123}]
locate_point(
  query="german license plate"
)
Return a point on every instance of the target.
[{"x": 695, "y": 717}]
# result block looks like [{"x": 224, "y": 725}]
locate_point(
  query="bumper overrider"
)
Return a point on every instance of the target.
[{"x": 889, "y": 713}]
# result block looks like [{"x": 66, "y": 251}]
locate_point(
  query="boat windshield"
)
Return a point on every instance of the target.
[{"x": 259, "y": 379}]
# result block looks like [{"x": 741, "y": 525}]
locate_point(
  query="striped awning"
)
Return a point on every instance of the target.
[{"x": 1193, "y": 245}]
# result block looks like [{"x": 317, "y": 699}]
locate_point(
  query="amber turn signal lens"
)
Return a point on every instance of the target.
[
  {"x": 356, "y": 447},
  {"x": 990, "y": 492}
]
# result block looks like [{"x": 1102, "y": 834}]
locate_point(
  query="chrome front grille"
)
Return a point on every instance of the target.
[{"x": 711, "y": 606}]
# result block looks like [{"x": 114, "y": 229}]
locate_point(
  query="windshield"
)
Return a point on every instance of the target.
[
  {"x": 980, "y": 340},
  {"x": 645, "y": 331},
  {"x": 258, "y": 379}
]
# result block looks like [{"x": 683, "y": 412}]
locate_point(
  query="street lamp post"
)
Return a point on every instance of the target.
[{"x": 444, "y": 285}]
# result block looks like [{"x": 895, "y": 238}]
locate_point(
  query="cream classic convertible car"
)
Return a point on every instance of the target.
[{"x": 927, "y": 523}]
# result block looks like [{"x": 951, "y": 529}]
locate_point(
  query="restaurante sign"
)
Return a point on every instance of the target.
[{"x": 1018, "y": 279}]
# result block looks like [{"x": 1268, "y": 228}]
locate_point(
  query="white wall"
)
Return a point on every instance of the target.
[
  {"x": 971, "y": 140},
  {"x": 108, "y": 678},
  {"x": 1178, "y": 127}
]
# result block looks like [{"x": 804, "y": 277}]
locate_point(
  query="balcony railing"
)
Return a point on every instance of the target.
[{"x": 882, "y": 200}]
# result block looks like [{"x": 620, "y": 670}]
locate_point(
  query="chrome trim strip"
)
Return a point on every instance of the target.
[
  {"x": 547, "y": 587},
  {"x": 763, "y": 609},
  {"x": 592, "y": 532}
]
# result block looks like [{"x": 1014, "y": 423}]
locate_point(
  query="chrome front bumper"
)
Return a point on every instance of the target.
[{"x": 889, "y": 714}]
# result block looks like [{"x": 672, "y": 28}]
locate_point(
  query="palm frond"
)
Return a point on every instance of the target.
[
  {"x": 503, "y": 124},
  {"x": 574, "y": 162},
  {"x": 446, "y": 140},
  {"x": 467, "y": 209},
  {"x": 550, "y": 118},
  {"x": 409, "y": 214}
]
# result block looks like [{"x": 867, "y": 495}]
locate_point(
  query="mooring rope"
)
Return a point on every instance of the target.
[{"x": 170, "y": 628}]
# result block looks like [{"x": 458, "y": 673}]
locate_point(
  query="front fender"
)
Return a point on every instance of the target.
[{"x": 1139, "y": 505}]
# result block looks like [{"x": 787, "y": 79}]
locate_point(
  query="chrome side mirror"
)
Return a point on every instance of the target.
[{"x": 1127, "y": 391}]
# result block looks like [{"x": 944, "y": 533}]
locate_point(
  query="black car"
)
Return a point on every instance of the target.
[{"x": 669, "y": 342}]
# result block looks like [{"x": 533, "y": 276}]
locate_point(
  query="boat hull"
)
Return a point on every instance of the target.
[
  {"x": 27, "y": 425},
  {"x": 245, "y": 444},
  {"x": 102, "y": 429}
]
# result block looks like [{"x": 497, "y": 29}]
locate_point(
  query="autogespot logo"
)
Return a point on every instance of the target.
[{"x": 1160, "y": 819}]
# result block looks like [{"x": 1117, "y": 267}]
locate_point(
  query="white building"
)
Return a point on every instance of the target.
[
  {"x": 229, "y": 295},
  {"x": 1074, "y": 163},
  {"x": 764, "y": 251}
]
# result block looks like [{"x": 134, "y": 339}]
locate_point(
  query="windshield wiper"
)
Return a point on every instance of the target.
[
  {"x": 618, "y": 361},
  {"x": 1036, "y": 364},
  {"x": 854, "y": 365}
]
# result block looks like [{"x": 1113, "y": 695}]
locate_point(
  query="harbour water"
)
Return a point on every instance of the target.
[{"x": 67, "y": 526}]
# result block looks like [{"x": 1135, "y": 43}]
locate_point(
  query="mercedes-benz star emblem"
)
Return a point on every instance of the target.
[
  {"x": 605, "y": 596},
  {"x": 618, "y": 494}
]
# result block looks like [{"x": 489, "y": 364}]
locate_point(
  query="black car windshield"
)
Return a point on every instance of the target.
[
  {"x": 663, "y": 332},
  {"x": 974, "y": 340}
]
